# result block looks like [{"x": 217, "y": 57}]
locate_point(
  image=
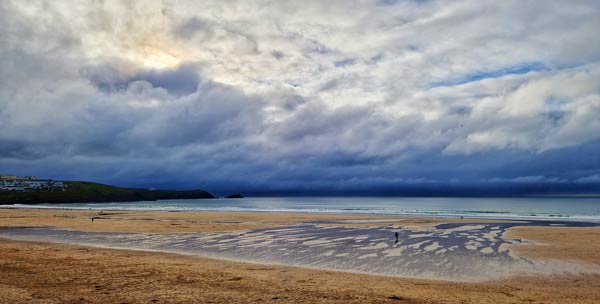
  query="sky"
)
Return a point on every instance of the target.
[{"x": 381, "y": 97}]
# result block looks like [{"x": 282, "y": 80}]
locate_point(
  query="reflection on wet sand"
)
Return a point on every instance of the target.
[{"x": 453, "y": 251}]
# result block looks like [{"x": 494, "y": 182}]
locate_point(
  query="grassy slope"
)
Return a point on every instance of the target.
[{"x": 93, "y": 192}]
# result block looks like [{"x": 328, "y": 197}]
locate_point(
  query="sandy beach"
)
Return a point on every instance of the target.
[
  {"x": 348, "y": 152},
  {"x": 565, "y": 260}
]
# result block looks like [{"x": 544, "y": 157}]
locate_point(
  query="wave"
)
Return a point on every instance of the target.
[{"x": 519, "y": 209}]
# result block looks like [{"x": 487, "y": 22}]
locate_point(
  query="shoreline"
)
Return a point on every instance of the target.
[{"x": 309, "y": 212}]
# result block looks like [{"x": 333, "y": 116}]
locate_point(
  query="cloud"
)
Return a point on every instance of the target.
[
  {"x": 182, "y": 80},
  {"x": 528, "y": 180},
  {"x": 592, "y": 179},
  {"x": 313, "y": 96}
]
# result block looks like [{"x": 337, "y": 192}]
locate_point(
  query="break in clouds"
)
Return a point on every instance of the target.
[{"x": 303, "y": 96}]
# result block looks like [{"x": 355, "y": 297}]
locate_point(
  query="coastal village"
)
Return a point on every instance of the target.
[{"x": 29, "y": 184}]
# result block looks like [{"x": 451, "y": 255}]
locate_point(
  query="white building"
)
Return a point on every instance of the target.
[{"x": 29, "y": 183}]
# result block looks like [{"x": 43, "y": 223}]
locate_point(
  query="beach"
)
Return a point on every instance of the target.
[{"x": 227, "y": 257}]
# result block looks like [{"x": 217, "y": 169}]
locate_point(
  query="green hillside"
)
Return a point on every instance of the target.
[{"x": 80, "y": 192}]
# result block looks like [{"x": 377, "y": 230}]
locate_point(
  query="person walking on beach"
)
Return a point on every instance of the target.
[{"x": 396, "y": 235}]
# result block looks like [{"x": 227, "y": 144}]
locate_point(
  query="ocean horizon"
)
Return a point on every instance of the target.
[{"x": 532, "y": 208}]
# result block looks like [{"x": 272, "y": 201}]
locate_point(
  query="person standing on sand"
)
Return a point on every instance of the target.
[{"x": 396, "y": 235}]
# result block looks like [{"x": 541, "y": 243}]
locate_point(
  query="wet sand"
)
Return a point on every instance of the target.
[{"x": 54, "y": 273}]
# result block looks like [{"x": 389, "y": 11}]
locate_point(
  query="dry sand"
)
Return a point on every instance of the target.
[
  {"x": 557, "y": 243},
  {"x": 54, "y": 273}
]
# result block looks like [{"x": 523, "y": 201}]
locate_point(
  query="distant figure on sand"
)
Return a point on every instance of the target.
[{"x": 396, "y": 235}]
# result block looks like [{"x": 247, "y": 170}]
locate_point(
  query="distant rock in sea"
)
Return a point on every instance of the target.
[{"x": 237, "y": 195}]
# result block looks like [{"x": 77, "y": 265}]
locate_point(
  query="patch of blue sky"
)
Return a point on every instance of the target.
[{"x": 523, "y": 68}]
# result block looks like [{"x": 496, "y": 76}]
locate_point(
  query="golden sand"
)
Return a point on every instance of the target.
[
  {"x": 54, "y": 273},
  {"x": 49, "y": 273},
  {"x": 558, "y": 243}
]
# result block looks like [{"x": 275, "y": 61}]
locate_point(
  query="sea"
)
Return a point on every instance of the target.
[{"x": 542, "y": 208}]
